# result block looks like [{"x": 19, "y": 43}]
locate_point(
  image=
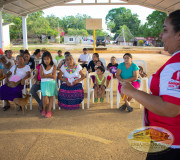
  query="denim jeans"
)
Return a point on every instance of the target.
[{"x": 33, "y": 91}]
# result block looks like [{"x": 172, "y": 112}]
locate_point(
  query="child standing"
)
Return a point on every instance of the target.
[
  {"x": 99, "y": 87},
  {"x": 48, "y": 82},
  {"x": 112, "y": 68}
]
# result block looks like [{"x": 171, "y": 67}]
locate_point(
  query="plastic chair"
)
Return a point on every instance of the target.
[
  {"x": 119, "y": 60},
  {"x": 144, "y": 65},
  {"x": 39, "y": 91},
  {"x": 119, "y": 97},
  {"x": 104, "y": 62},
  {"x": 59, "y": 84},
  {"x": 109, "y": 91}
]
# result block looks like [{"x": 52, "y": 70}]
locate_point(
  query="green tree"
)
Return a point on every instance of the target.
[
  {"x": 37, "y": 25},
  {"x": 16, "y": 29},
  {"x": 101, "y": 33},
  {"x": 54, "y": 21},
  {"x": 122, "y": 16},
  {"x": 111, "y": 26},
  {"x": 75, "y": 22},
  {"x": 155, "y": 22},
  {"x": 124, "y": 32}
]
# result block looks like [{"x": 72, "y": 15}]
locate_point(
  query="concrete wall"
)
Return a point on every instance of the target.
[{"x": 6, "y": 35}]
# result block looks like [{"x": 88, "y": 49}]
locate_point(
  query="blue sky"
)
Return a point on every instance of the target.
[{"x": 96, "y": 11}]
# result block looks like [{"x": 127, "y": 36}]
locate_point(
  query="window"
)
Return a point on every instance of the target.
[{"x": 70, "y": 39}]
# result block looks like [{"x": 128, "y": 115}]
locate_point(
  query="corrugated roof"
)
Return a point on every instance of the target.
[{"x": 24, "y": 7}]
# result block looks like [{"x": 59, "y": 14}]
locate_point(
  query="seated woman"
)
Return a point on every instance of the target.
[
  {"x": 29, "y": 60},
  {"x": 71, "y": 93},
  {"x": 93, "y": 65},
  {"x": 62, "y": 61},
  {"x": 36, "y": 56},
  {"x": 19, "y": 71},
  {"x": 36, "y": 87},
  {"x": 127, "y": 72}
]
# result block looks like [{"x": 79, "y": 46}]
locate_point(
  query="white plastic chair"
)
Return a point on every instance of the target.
[
  {"x": 39, "y": 91},
  {"x": 144, "y": 65},
  {"x": 59, "y": 85},
  {"x": 109, "y": 91},
  {"x": 119, "y": 60},
  {"x": 104, "y": 62}
]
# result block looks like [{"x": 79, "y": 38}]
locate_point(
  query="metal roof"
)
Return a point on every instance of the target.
[{"x": 25, "y": 7}]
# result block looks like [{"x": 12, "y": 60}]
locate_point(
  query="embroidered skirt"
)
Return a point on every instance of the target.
[
  {"x": 8, "y": 93},
  {"x": 49, "y": 88},
  {"x": 70, "y": 97}
]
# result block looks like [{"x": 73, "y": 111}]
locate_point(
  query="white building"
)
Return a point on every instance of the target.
[
  {"x": 78, "y": 40},
  {"x": 6, "y": 34}
]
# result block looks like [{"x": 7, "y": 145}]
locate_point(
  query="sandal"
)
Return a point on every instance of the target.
[
  {"x": 43, "y": 113},
  {"x": 96, "y": 100},
  {"x": 123, "y": 107},
  {"x": 49, "y": 114},
  {"x": 101, "y": 100},
  {"x": 130, "y": 109}
]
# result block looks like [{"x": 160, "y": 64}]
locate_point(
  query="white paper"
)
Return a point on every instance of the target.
[{"x": 71, "y": 80}]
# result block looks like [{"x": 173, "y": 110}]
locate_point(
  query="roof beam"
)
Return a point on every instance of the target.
[
  {"x": 147, "y": 5},
  {"x": 43, "y": 7},
  {"x": 19, "y": 6},
  {"x": 84, "y": 4},
  {"x": 11, "y": 12},
  {"x": 173, "y": 5},
  {"x": 3, "y": 2}
]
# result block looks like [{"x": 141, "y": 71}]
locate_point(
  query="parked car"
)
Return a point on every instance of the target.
[{"x": 100, "y": 41}]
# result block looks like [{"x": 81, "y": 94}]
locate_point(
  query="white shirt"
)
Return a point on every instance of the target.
[
  {"x": 21, "y": 72},
  {"x": 71, "y": 77},
  {"x": 47, "y": 72},
  {"x": 85, "y": 57}
]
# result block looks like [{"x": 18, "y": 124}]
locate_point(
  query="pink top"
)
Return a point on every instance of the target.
[{"x": 38, "y": 68}]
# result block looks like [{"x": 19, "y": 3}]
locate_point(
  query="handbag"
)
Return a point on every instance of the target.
[{"x": 13, "y": 84}]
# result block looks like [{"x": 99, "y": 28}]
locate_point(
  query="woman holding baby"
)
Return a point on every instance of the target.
[{"x": 71, "y": 93}]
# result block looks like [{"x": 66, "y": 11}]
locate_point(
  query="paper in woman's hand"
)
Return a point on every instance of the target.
[{"x": 71, "y": 80}]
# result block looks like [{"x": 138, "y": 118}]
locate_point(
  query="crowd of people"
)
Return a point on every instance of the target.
[
  {"x": 161, "y": 106},
  {"x": 47, "y": 71}
]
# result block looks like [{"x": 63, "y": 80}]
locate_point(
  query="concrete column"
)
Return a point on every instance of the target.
[
  {"x": 24, "y": 27},
  {"x": 1, "y": 30}
]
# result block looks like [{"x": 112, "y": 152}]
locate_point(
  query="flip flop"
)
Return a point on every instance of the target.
[
  {"x": 122, "y": 108},
  {"x": 130, "y": 109}
]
